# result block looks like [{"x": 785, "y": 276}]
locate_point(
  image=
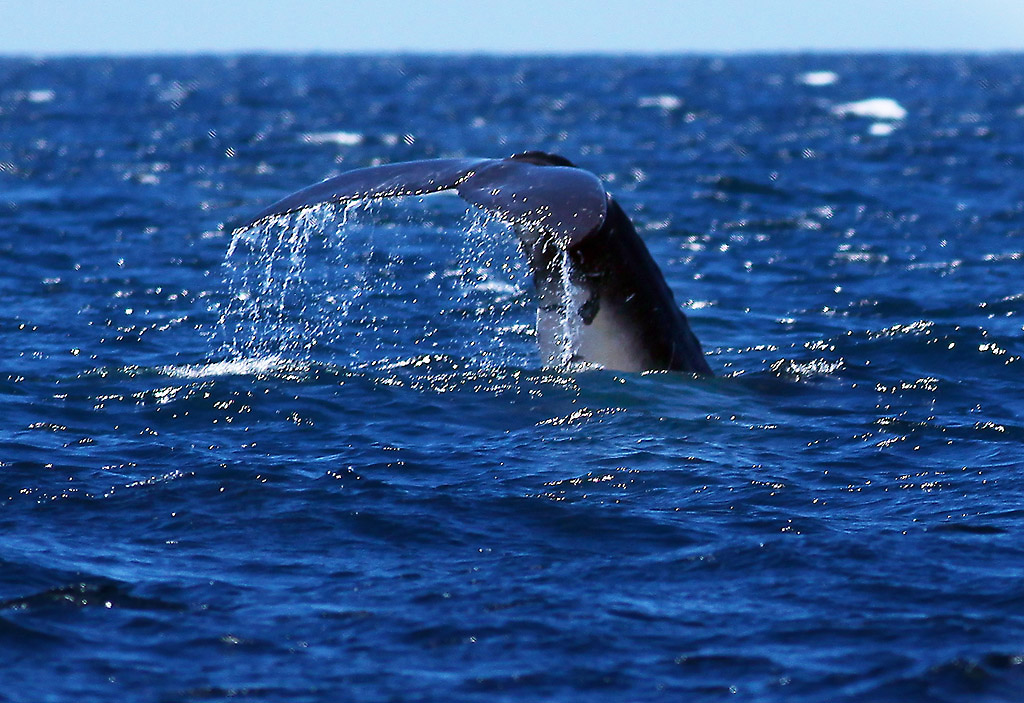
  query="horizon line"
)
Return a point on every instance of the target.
[{"x": 522, "y": 53}]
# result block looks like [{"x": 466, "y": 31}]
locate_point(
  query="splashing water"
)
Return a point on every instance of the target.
[
  {"x": 361, "y": 283},
  {"x": 566, "y": 340},
  {"x": 271, "y": 288}
]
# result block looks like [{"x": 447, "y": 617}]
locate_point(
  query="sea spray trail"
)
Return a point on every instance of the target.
[{"x": 197, "y": 502}]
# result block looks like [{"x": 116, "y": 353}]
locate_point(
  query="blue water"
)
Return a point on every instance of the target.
[{"x": 325, "y": 463}]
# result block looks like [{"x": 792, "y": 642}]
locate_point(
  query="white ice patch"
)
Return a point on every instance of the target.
[
  {"x": 876, "y": 108},
  {"x": 340, "y": 138},
  {"x": 818, "y": 78}
]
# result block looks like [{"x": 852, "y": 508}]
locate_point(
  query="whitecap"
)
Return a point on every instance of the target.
[
  {"x": 40, "y": 96},
  {"x": 341, "y": 138},
  {"x": 818, "y": 78},
  {"x": 877, "y": 108},
  {"x": 665, "y": 102},
  {"x": 495, "y": 287},
  {"x": 257, "y": 366}
]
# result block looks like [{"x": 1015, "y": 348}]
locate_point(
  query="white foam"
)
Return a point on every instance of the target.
[
  {"x": 881, "y": 129},
  {"x": 495, "y": 287},
  {"x": 818, "y": 78},
  {"x": 876, "y": 108},
  {"x": 232, "y": 367},
  {"x": 341, "y": 138},
  {"x": 40, "y": 96},
  {"x": 665, "y": 102}
]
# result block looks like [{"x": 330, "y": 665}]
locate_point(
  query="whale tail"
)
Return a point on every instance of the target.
[{"x": 628, "y": 319}]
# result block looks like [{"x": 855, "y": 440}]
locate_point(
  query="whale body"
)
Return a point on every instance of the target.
[{"x": 617, "y": 311}]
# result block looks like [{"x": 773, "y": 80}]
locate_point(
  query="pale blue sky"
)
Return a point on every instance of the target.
[{"x": 511, "y": 26}]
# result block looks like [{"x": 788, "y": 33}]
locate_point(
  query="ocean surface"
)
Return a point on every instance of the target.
[{"x": 324, "y": 462}]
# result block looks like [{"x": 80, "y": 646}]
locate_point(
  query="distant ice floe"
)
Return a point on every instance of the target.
[
  {"x": 876, "y": 108},
  {"x": 339, "y": 138},
  {"x": 665, "y": 102},
  {"x": 818, "y": 78}
]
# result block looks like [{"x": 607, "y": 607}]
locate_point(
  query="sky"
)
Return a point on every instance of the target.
[{"x": 57, "y": 27}]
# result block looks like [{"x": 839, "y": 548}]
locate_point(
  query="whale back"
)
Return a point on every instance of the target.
[{"x": 630, "y": 305}]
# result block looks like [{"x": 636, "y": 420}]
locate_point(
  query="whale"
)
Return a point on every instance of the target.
[{"x": 602, "y": 301}]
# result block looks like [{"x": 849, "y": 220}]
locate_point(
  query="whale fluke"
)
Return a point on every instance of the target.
[
  {"x": 622, "y": 315},
  {"x": 387, "y": 181}
]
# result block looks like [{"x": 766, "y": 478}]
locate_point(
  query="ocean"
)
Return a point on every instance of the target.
[{"x": 325, "y": 462}]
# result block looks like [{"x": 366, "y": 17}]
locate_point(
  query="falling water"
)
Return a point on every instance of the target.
[
  {"x": 328, "y": 283},
  {"x": 272, "y": 290},
  {"x": 572, "y": 299}
]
